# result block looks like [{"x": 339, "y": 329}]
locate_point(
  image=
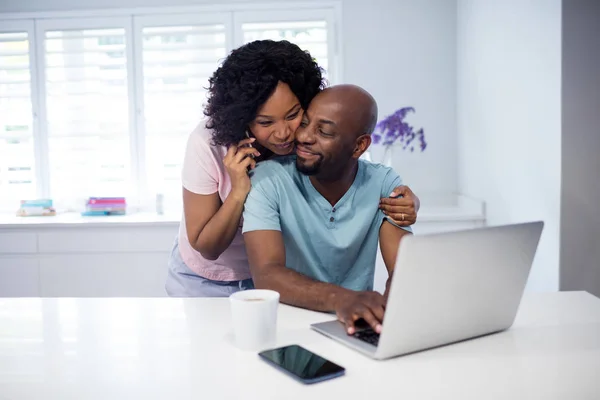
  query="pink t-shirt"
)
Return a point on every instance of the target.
[{"x": 204, "y": 173}]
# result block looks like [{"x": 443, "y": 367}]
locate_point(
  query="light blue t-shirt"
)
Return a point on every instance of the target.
[{"x": 334, "y": 244}]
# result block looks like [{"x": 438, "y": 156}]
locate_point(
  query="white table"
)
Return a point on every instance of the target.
[{"x": 181, "y": 349}]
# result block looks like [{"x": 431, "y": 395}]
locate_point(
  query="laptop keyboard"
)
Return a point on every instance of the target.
[{"x": 369, "y": 336}]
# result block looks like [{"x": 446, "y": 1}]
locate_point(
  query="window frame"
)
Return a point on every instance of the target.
[{"x": 39, "y": 154}]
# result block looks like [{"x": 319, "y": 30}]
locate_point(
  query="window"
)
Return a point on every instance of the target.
[
  {"x": 179, "y": 53},
  {"x": 107, "y": 108},
  {"x": 87, "y": 111},
  {"x": 311, "y": 30},
  {"x": 308, "y": 35},
  {"x": 17, "y": 160}
]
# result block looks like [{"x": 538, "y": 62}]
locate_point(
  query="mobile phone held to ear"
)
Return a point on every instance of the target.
[
  {"x": 250, "y": 155},
  {"x": 301, "y": 364},
  {"x": 249, "y": 137}
]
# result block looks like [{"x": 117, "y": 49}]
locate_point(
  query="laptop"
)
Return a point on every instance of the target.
[{"x": 449, "y": 287}]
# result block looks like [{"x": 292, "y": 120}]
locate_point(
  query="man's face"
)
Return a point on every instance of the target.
[{"x": 325, "y": 140}]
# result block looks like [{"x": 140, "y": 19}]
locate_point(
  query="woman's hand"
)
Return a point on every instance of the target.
[
  {"x": 238, "y": 161},
  {"x": 401, "y": 206}
]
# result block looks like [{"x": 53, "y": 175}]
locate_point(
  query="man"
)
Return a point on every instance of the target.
[{"x": 312, "y": 222}]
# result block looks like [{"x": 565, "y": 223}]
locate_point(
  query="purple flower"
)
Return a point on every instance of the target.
[{"x": 393, "y": 128}]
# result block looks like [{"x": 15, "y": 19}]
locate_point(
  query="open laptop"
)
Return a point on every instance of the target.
[{"x": 449, "y": 287}]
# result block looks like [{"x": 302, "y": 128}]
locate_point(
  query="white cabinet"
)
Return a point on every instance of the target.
[
  {"x": 69, "y": 256},
  {"x": 119, "y": 256}
]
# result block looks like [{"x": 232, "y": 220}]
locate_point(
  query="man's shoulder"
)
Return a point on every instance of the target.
[
  {"x": 274, "y": 170},
  {"x": 375, "y": 170},
  {"x": 378, "y": 179}
]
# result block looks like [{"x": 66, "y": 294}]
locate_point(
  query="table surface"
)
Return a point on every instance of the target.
[{"x": 182, "y": 349}]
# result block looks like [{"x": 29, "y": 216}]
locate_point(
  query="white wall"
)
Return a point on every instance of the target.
[
  {"x": 509, "y": 117},
  {"x": 580, "y": 218},
  {"x": 403, "y": 51}
]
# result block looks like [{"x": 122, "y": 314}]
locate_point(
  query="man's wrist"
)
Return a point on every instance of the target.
[{"x": 338, "y": 297}]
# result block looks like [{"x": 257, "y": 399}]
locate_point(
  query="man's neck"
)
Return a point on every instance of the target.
[{"x": 333, "y": 189}]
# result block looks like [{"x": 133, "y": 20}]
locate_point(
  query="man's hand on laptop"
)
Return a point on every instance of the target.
[{"x": 369, "y": 306}]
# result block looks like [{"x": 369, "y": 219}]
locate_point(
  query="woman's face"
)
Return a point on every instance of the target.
[{"x": 277, "y": 120}]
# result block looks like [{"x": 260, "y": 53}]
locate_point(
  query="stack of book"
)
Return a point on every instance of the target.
[
  {"x": 105, "y": 206},
  {"x": 36, "y": 208}
]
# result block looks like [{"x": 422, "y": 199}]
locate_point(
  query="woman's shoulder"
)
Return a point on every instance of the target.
[
  {"x": 200, "y": 139},
  {"x": 201, "y": 135}
]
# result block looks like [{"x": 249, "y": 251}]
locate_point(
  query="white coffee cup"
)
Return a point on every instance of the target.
[{"x": 254, "y": 317}]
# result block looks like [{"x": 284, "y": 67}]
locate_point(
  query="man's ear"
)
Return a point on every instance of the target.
[{"x": 362, "y": 144}]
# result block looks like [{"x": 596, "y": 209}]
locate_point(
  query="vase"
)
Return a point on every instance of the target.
[{"x": 387, "y": 156}]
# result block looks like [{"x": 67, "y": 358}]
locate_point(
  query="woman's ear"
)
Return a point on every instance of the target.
[{"x": 362, "y": 144}]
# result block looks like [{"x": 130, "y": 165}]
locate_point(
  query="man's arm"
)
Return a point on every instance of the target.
[
  {"x": 267, "y": 265},
  {"x": 389, "y": 240}
]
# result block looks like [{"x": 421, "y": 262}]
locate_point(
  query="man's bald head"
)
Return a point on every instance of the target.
[
  {"x": 357, "y": 108},
  {"x": 335, "y": 131}
]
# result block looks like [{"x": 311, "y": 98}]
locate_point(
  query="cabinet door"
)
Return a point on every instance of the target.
[
  {"x": 19, "y": 277},
  {"x": 104, "y": 275}
]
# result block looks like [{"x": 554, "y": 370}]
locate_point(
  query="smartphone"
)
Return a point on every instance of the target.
[
  {"x": 249, "y": 137},
  {"x": 301, "y": 364}
]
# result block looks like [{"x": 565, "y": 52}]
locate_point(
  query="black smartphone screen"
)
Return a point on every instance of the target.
[{"x": 303, "y": 364}]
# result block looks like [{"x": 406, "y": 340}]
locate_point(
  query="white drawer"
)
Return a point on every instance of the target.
[
  {"x": 18, "y": 242},
  {"x": 106, "y": 240}
]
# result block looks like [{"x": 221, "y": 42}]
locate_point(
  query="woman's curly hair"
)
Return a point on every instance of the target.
[{"x": 247, "y": 78}]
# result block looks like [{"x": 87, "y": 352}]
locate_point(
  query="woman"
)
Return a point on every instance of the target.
[{"x": 256, "y": 102}]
